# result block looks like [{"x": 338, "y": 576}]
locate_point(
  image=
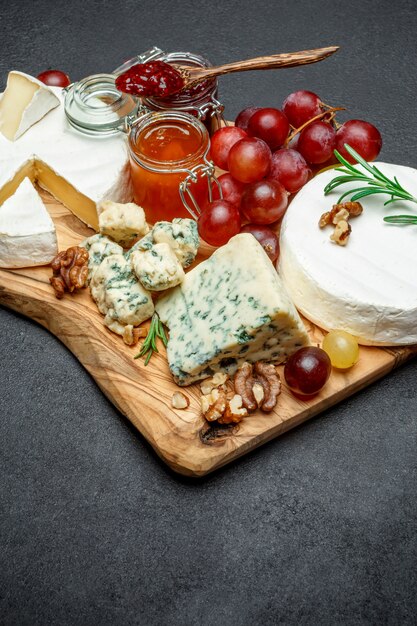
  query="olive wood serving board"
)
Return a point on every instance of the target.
[{"x": 181, "y": 438}]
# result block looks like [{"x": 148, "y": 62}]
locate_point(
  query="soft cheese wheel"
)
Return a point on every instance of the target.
[{"x": 368, "y": 287}]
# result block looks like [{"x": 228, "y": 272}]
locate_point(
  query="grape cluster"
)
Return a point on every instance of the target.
[{"x": 270, "y": 154}]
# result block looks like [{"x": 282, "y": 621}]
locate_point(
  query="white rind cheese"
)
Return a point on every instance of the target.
[
  {"x": 231, "y": 308},
  {"x": 368, "y": 287},
  {"x": 158, "y": 268},
  {"x": 27, "y": 232},
  {"x": 79, "y": 170},
  {"x": 25, "y": 102}
]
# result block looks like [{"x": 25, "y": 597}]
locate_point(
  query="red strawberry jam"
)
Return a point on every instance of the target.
[{"x": 154, "y": 78}]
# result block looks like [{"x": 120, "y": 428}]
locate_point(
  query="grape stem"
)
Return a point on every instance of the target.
[
  {"x": 376, "y": 183},
  {"x": 331, "y": 110}
]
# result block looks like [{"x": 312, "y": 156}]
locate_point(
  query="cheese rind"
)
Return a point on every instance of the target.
[
  {"x": 25, "y": 101},
  {"x": 231, "y": 308},
  {"x": 27, "y": 232},
  {"x": 368, "y": 287}
]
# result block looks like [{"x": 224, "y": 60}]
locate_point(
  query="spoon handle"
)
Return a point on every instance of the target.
[{"x": 287, "y": 59}]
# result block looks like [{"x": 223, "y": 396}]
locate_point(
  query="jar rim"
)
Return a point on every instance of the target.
[{"x": 173, "y": 166}]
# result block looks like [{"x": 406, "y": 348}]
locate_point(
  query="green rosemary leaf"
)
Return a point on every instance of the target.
[
  {"x": 149, "y": 346},
  {"x": 401, "y": 219}
]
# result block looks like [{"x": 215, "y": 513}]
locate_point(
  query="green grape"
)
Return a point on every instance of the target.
[{"x": 342, "y": 349}]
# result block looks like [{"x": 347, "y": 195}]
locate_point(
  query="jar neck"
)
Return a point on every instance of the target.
[{"x": 150, "y": 123}]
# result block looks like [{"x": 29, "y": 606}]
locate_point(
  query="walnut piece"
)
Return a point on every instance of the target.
[
  {"x": 209, "y": 384},
  {"x": 234, "y": 411},
  {"x": 213, "y": 405},
  {"x": 341, "y": 233},
  {"x": 180, "y": 400},
  {"x": 350, "y": 209},
  {"x": 248, "y": 380},
  {"x": 70, "y": 270}
]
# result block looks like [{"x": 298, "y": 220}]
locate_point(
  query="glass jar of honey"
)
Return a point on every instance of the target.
[{"x": 171, "y": 174}]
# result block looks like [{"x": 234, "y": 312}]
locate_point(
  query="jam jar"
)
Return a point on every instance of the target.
[
  {"x": 199, "y": 99},
  {"x": 171, "y": 174}
]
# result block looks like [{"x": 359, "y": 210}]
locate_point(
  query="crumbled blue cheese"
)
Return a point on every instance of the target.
[
  {"x": 119, "y": 295},
  {"x": 229, "y": 309},
  {"x": 157, "y": 268},
  {"x": 122, "y": 222},
  {"x": 99, "y": 247},
  {"x": 181, "y": 235}
]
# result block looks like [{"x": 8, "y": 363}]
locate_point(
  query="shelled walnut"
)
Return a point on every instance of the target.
[
  {"x": 339, "y": 216},
  {"x": 248, "y": 380},
  {"x": 70, "y": 271}
]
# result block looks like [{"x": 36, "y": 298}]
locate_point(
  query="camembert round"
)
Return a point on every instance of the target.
[{"x": 368, "y": 287}]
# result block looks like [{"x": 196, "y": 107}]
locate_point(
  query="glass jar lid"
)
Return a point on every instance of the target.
[{"x": 95, "y": 107}]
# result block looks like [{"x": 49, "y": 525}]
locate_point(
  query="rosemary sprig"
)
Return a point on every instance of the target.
[
  {"x": 149, "y": 345},
  {"x": 376, "y": 183}
]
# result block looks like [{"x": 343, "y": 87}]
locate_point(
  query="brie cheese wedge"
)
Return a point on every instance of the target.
[
  {"x": 25, "y": 102},
  {"x": 78, "y": 170},
  {"x": 368, "y": 287},
  {"x": 27, "y": 232}
]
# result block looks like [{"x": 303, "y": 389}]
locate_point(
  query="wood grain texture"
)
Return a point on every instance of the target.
[{"x": 143, "y": 394}]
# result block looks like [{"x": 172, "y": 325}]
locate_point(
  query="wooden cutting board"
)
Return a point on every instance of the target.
[{"x": 181, "y": 438}]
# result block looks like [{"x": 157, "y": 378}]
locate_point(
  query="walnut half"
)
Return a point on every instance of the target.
[
  {"x": 70, "y": 270},
  {"x": 259, "y": 385}
]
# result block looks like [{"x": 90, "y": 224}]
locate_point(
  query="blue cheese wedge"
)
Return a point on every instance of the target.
[
  {"x": 158, "y": 268},
  {"x": 122, "y": 222},
  {"x": 229, "y": 309},
  {"x": 181, "y": 235},
  {"x": 119, "y": 296},
  {"x": 99, "y": 247}
]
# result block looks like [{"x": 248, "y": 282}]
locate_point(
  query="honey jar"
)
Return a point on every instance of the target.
[{"x": 171, "y": 174}]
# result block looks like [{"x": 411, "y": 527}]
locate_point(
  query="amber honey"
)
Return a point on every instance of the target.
[{"x": 164, "y": 148}]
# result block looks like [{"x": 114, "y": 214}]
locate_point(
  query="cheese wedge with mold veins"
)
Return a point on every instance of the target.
[
  {"x": 25, "y": 101},
  {"x": 78, "y": 170},
  {"x": 229, "y": 309},
  {"x": 27, "y": 232},
  {"x": 368, "y": 287}
]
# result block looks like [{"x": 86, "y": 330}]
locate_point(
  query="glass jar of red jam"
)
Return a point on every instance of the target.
[
  {"x": 199, "y": 99},
  {"x": 169, "y": 165}
]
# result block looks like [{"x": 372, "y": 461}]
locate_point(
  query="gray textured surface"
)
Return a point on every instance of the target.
[{"x": 317, "y": 527}]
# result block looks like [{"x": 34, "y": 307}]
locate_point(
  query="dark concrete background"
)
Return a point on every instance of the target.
[{"x": 317, "y": 527}]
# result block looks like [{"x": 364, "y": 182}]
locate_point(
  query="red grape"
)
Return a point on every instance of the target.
[
  {"x": 221, "y": 143},
  {"x": 249, "y": 160},
  {"x": 317, "y": 142},
  {"x": 290, "y": 169},
  {"x": 307, "y": 371},
  {"x": 266, "y": 237},
  {"x": 362, "y": 137},
  {"x": 271, "y": 125},
  {"x": 264, "y": 202},
  {"x": 244, "y": 116},
  {"x": 218, "y": 222},
  {"x": 231, "y": 189},
  {"x": 54, "y": 78},
  {"x": 301, "y": 106}
]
